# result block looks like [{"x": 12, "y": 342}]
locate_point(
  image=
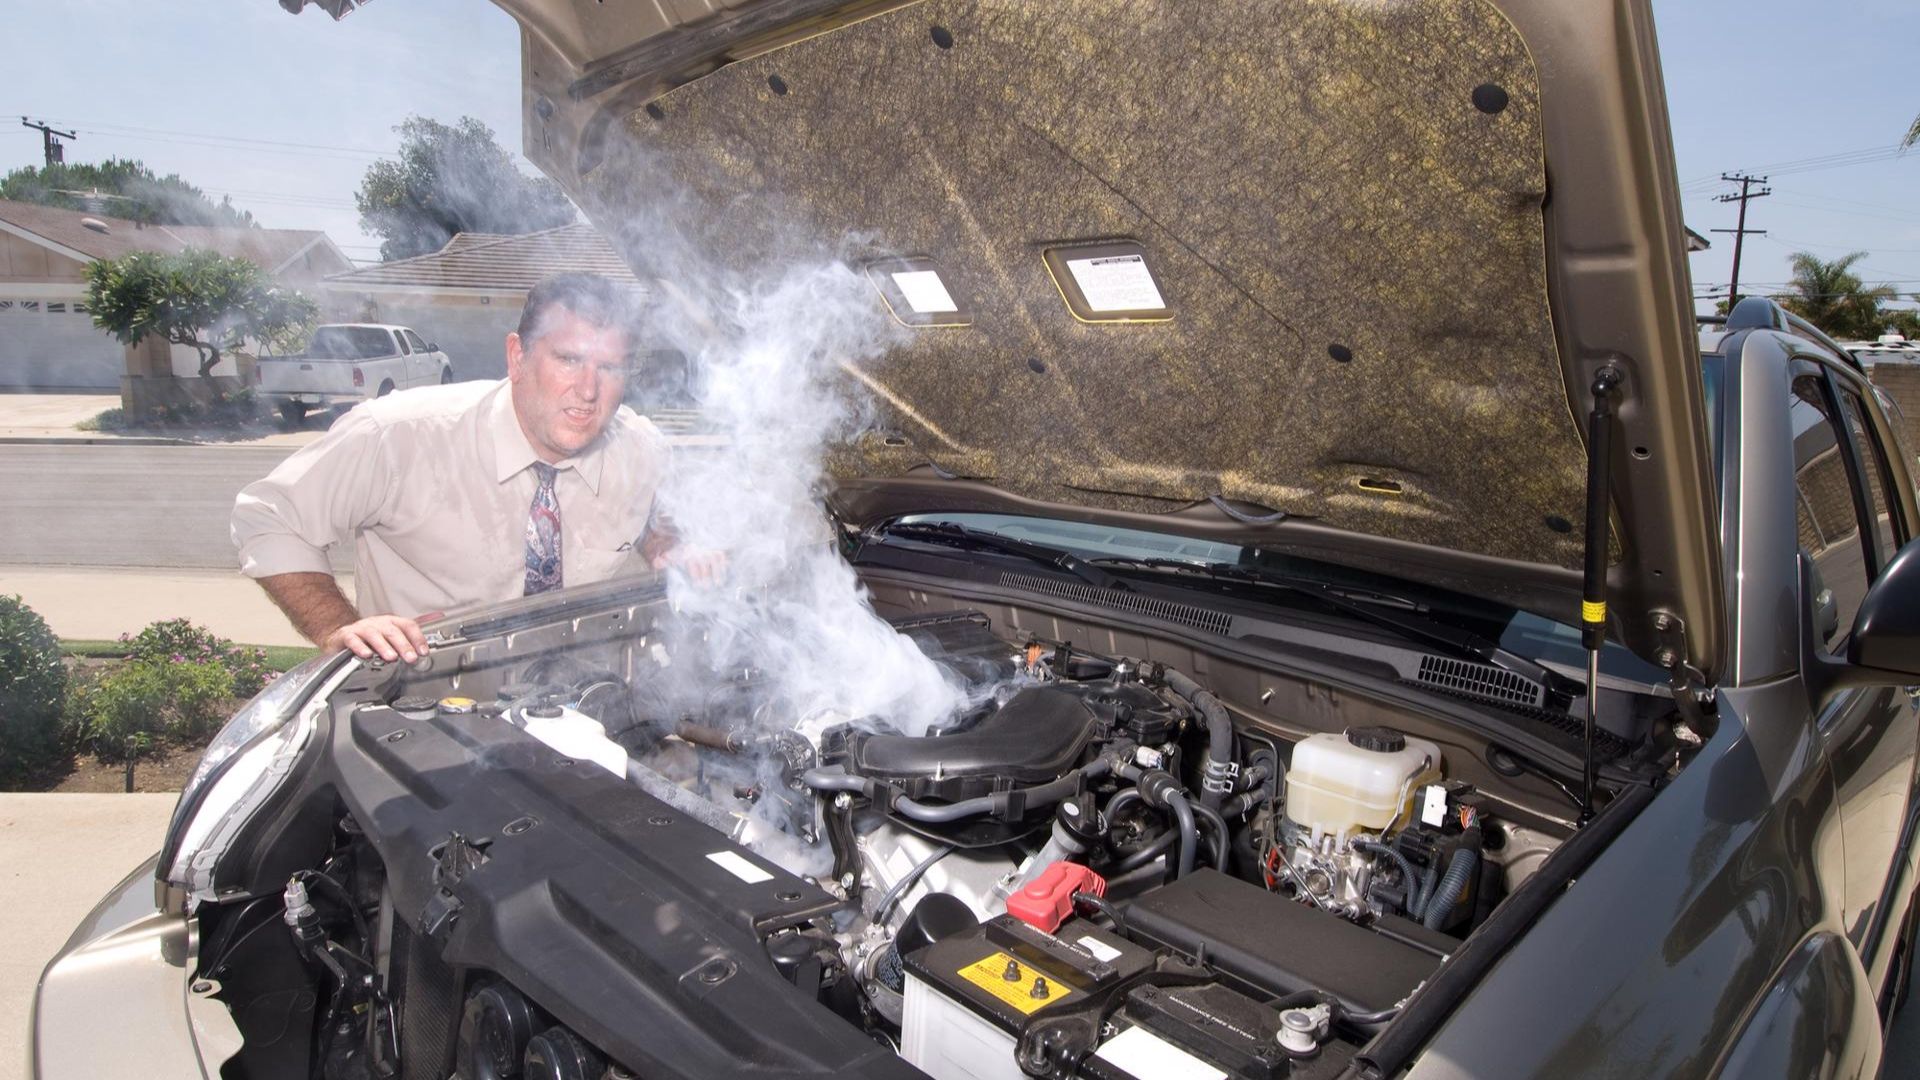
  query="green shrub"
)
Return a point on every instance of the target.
[
  {"x": 33, "y": 685},
  {"x": 180, "y": 641},
  {"x": 131, "y": 711}
]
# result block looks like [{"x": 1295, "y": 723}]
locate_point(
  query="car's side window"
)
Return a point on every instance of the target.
[
  {"x": 1889, "y": 532},
  {"x": 402, "y": 342},
  {"x": 413, "y": 339},
  {"x": 1828, "y": 514}
]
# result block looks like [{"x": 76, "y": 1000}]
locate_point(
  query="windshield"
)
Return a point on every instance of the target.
[
  {"x": 1525, "y": 633},
  {"x": 350, "y": 343}
]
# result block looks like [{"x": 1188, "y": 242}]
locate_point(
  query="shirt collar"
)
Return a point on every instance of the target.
[{"x": 512, "y": 453}]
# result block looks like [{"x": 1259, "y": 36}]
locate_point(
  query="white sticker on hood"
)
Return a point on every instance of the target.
[
  {"x": 926, "y": 294},
  {"x": 732, "y": 863},
  {"x": 1116, "y": 283}
]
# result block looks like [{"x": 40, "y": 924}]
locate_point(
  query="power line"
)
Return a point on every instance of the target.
[
  {"x": 1843, "y": 159},
  {"x": 135, "y": 130}
]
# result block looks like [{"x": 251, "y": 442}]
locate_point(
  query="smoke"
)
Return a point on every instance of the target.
[{"x": 770, "y": 352}]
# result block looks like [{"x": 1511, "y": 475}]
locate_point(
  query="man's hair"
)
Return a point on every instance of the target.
[{"x": 590, "y": 297}]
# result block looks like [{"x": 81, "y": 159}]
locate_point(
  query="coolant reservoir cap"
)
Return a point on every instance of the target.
[
  {"x": 415, "y": 708},
  {"x": 457, "y": 706},
  {"x": 1381, "y": 740}
]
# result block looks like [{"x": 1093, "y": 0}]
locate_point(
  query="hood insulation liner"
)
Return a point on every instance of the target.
[{"x": 1339, "y": 202}]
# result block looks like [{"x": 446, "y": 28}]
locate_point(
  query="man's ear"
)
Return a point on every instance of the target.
[{"x": 514, "y": 356}]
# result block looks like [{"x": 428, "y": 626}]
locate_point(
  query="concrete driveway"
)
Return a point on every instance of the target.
[{"x": 58, "y": 855}]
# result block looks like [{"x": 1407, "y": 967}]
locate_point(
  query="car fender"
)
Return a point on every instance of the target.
[{"x": 1815, "y": 1019}]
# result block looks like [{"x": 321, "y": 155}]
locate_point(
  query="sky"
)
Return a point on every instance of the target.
[{"x": 284, "y": 113}]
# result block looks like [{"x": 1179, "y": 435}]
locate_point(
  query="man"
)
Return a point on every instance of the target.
[{"x": 472, "y": 492}]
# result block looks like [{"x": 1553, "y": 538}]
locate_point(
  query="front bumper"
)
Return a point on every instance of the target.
[{"x": 119, "y": 999}]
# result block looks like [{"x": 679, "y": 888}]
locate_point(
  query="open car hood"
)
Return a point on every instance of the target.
[{"x": 1346, "y": 267}]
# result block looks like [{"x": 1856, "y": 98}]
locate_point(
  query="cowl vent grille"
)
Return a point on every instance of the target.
[
  {"x": 1481, "y": 681},
  {"x": 1199, "y": 618}
]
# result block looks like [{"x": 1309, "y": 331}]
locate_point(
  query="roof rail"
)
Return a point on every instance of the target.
[{"x": 1761, "y": 313}]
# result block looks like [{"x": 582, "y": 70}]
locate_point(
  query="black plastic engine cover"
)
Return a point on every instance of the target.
[{"x": 1040, "y": 733}]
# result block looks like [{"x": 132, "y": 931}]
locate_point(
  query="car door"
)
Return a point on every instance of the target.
[
  {"x": 426, "y": 361},
  {"x": 1853, "y": 519},
  {"x": 405, "y": 370}
]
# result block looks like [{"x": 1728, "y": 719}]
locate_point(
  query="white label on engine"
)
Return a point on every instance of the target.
[
  {"x": 1434, "y": 811},
  {"x": 1116, "y": 283},
  {"x": 1151, "y": 1057},
  {"x": 733, "y": 864},
  {"x": 925, "y": 292},
  {"x": 1101, "y": 951}
]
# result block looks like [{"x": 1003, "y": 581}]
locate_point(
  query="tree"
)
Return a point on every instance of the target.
[
  {"x": 1913, "y": 133},
  {"x": 1832, "y": 297},
  {"x": 121, "y": 188},
  {"x": 197, "y": 298},
  {"x": 450, "y": 179}
]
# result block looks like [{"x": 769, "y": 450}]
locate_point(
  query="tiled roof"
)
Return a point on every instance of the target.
[
  {"x": 267, "y": 247},
  {"x": 488, "y": 261}
]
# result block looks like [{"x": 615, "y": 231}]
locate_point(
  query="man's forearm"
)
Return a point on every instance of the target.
[{"x": 313, "y": 603}]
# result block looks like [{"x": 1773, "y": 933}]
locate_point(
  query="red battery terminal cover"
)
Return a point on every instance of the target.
[{"x": 1046, "y": 901}]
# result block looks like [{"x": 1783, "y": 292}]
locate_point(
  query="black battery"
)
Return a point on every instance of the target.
[
  {"x": 1193, "y": 1029},
  {"x": 1007, "y": 971}
]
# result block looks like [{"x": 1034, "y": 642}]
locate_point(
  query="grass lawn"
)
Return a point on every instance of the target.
[{"x": 279, "y": 657}]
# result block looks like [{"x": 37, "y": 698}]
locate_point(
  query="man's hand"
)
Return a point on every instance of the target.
[
  {"x": 701, "y": 564},
  {"x": 391, "y": 637}
]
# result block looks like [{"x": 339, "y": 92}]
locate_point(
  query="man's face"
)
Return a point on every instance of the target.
[{"x": 568, "y": 384}]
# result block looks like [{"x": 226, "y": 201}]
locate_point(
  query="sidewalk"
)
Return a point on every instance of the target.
[
  {"x": 101, "y": 603},
  {"x": 55, "y": 417}
]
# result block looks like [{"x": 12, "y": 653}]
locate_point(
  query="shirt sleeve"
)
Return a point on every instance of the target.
[{"x": 322, "y": 495}]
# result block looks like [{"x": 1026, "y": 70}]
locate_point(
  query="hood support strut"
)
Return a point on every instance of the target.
[{"x": 1593, "y": 592}]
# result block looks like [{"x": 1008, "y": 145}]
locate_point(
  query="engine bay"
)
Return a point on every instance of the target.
[{"x": 1097, "y": 868}]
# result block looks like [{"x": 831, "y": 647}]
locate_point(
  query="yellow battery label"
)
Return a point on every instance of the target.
[{"x": 1013, "y": 982}]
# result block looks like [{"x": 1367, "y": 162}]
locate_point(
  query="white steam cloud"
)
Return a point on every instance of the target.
[{"x": 769, "y": 353}]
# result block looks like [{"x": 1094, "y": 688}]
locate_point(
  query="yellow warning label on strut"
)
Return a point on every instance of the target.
[
  {"x": 1024, "y": 988},
  {"x": 1593, "y": 611}
]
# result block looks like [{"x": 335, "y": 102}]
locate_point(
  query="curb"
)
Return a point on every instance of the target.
[{"x": 88, "y": 440}]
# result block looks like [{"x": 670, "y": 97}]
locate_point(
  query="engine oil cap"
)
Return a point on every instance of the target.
[
  {"x": 415, "y": 708},
  {"x": 457, "y": 706},
  {"x": 1382, "y": 740}
]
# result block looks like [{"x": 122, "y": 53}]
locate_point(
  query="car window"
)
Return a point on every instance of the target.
[
  {"x": 403, "y": 344},
  {"x": 350, "y": 343},
  {"x": 413, "y": 339},
  {"x": 1887, "y": 530},
  {"x": 1829, "y": 519}
]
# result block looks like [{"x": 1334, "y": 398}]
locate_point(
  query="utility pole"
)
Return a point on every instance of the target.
[
  {"x": 1740, "y": 231},
  {"x": 56, "y": 153}
]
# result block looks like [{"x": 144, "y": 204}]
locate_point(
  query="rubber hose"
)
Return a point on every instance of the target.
[
  {"x": 1189, "y": 833},
  {"x": 1408, "y": 874},
  {"x": 1219, "y": 735},
  {"x": 1119, "y": 803},
  {"x": 832, "y": 780},
  {"x": 1459, "y": 871},
  {"x": 1039, "y": 795},
  {"x": 1211, "y": 817}
]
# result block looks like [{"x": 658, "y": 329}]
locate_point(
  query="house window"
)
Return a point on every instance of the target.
[
  {"x": 54, "y": 308},
  {"x": 6, "y": 305},
  {"x": 29, "y": 305}
]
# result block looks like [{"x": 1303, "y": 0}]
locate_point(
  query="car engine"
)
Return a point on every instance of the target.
[{"x": 1091, "y": 868}]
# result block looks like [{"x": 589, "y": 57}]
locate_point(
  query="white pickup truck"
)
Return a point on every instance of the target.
[{"x": 347, "y": 363}]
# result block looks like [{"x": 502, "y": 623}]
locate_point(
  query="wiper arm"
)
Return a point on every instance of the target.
[
  {"x": 1380, "y": 609},
  {"x": 960, "y": 536}
]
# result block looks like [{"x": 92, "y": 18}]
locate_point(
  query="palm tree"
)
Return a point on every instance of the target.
[
  {"x": 1913, "y": 133},
  {"x": 1832, "y": 297}
]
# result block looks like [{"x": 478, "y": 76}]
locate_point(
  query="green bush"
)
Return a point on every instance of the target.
[
  {"x": 33, "y": 685},
  {"x": 132, "y": 710},
  {"x": 179, "y": 641}
]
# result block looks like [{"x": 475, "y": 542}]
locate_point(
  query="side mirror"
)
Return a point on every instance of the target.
[
  {"x": 433, "y": 346},
  {"x": 1886, "y": 632},
  {"x": 1884, "y": 649}
]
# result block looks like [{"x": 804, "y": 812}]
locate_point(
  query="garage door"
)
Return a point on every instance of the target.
[{"x": 53, "y": 344}]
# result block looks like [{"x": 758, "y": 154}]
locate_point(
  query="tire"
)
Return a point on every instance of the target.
[
  {"x": 292, "y": 414},
  {"x": 385, "y": 389},
  {"x": 446, "y": 375}
]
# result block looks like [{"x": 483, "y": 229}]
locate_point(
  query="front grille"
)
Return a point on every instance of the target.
[
  {"x": 1214, "y": 622},
  {"x": 1481, "y": 681}
]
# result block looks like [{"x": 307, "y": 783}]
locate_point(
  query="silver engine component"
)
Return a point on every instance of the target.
[{"x": 1335, "y": 874}]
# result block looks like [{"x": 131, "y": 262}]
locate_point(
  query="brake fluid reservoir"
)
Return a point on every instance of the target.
[{"x": 1364, "y": 780}]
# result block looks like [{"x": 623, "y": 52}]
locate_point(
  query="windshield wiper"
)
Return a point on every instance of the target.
[
  {"x": 960, "y": 536},
  {"x": 1396, "y": 613}
]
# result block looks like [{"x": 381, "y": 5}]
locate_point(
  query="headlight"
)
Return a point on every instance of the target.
[{"x": 243, "y": 765}]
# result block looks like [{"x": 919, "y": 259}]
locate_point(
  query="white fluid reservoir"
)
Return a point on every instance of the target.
[{"x": 1360, "y": 780}]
